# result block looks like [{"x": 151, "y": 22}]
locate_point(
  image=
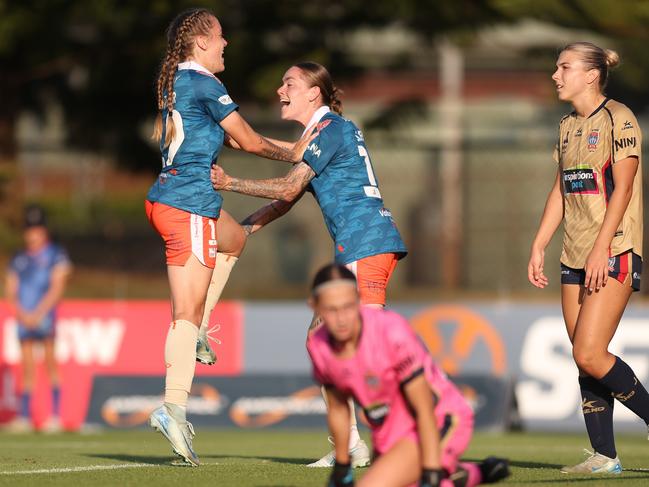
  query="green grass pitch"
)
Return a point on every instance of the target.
[{"x": 270, "y": 458}]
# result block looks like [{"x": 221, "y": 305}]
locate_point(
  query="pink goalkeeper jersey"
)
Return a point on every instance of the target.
[{"x": 389, "y": 354}]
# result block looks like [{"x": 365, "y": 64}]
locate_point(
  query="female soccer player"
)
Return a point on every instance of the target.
[
  {"x": 195, "y": 113},
  {"x": 337, "y": 169},
  {"x": 597, "y": 193},
  {"x": 420, "y": 422},
  {"x": 35, "y": 284}
]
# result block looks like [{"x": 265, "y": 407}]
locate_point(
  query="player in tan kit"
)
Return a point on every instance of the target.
[{"x": 597, "y": 194}]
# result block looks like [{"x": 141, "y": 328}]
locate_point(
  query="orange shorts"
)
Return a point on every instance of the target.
[
  {"x": 183, "y": 233},
  {"x": 372, "y": 275}
]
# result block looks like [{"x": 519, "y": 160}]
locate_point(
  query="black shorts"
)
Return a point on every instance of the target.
[{"x": 619, "y": 268}]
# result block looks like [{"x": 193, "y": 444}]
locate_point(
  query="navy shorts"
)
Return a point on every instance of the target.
[
  {"x": 619, "y": 268},
  {"x": 42, "y": 332}
]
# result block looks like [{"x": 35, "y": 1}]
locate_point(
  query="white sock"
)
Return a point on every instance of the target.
[
  {"x": 179, "y": 413},
  {"x": 354, "y": 437},
  {"x": 180, "y": 359},
  {"x": 222, "y": 268}
]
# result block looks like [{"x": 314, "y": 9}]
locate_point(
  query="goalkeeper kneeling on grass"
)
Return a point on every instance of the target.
[{"x": 419, "y": 420}]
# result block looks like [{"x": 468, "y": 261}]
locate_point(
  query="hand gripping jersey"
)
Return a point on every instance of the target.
[
  {"x": 201, "y": 102},
  {"x": 347, "y": 191},
  {"x": 34, "y": 273},
  {"x": 586, "y": 151},
  {"x": 389, "y": 354}
]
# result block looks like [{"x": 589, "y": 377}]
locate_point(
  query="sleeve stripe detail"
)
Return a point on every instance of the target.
[{"x": 412, "y": 376}]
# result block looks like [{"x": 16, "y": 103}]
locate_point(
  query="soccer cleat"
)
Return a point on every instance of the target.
[
  {"x": 179, "y": 434},
  {"x": 52, "y": 425},
  {"x": 494, "y": 469},
  {"x": 204, "y": 352},
  {"x": 595, "y": 463},
  {"x": 360, "y": 455},
  {"x": 19, "y": 425}
]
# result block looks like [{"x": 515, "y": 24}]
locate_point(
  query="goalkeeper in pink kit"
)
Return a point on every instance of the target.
[{"x": 420, "y": 422}]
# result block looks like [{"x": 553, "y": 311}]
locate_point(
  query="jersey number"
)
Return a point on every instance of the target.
[
  {"x": 178, "y": 139},
  {"x": 372, "y": 190}
]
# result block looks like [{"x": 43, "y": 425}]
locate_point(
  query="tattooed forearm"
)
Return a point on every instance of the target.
[
  {"x": 286, "y": 188},
  {"x": 272, "y": 151},
  {"x": 265, "y": 215}
]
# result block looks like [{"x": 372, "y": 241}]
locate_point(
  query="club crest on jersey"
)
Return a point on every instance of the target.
[
  {"x": 372, "y": 380},
  {"x": 593, "y": 139},
  {"x": 611, "y": 263}
]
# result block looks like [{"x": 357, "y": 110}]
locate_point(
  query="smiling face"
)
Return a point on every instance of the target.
[
  {"x": 298, "y": 100},
  {"x": 572, "y": 78},
  {"x": 209, "y": 48}
]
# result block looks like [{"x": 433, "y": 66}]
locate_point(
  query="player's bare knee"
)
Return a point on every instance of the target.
[{"x": 586, "y": 359}]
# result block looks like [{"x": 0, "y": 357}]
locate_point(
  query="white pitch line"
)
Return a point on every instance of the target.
[{"x": 87, "y": 468}]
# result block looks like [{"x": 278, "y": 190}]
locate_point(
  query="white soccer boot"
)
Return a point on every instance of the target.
[
  {"x": 179, "y": 434},
  {"x": 360, "y": 455},
  {"x": 204, "y": 352},
  {"x": 595, "y": 463}
]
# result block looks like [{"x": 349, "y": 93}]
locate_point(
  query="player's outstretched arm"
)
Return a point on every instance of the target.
[
  {"x": 240, "y": 135},
  {"x": 420, "y": 398},
  {"x": 286, "y": 188},
  {"x": 550, "y": 221},
  {"x": 266, "y": 214}
]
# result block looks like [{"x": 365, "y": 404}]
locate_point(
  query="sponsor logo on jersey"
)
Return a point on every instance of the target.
[
  {"x": 593, "y": 140},
  {"x": 385, "y": 212},
  {"x": 225, "y": 100},
  {"x": 376, "y": 413},
  {"x": 315, "y": 150},
  {"x": 627, "y": 125},
  {"x": 625, "y": 142},
  {"x": 359, "y": 136},
  {"x": 322, "y": 125},
  {"x": 580, "y": 181}
]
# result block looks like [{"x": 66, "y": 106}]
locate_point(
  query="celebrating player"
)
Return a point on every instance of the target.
[
  {"x": 337, "y": 169},
  {"x": 195, "y": 113},
  {"x": 420, "y": 422},
  {"x": 597, "y": 193}
]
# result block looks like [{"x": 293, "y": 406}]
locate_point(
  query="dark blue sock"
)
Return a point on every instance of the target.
[
  {"x": 56, "y": 400},
  {"x": 626, "y": 388},
  {"x": 25, "y": 400},
  {"x": 597, "y": 406}
]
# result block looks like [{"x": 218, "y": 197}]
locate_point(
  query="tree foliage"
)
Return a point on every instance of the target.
[{"x": 99, "y": 59}]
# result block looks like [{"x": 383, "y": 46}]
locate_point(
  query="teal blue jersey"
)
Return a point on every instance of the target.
[
  {"x": 347, "y": 192},
  {"x": 201, "y": 102}
]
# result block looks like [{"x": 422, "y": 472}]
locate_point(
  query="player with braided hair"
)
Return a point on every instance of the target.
[
  {"x": 337, "y": 169},
  {"x": 196, "y": 116}
]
